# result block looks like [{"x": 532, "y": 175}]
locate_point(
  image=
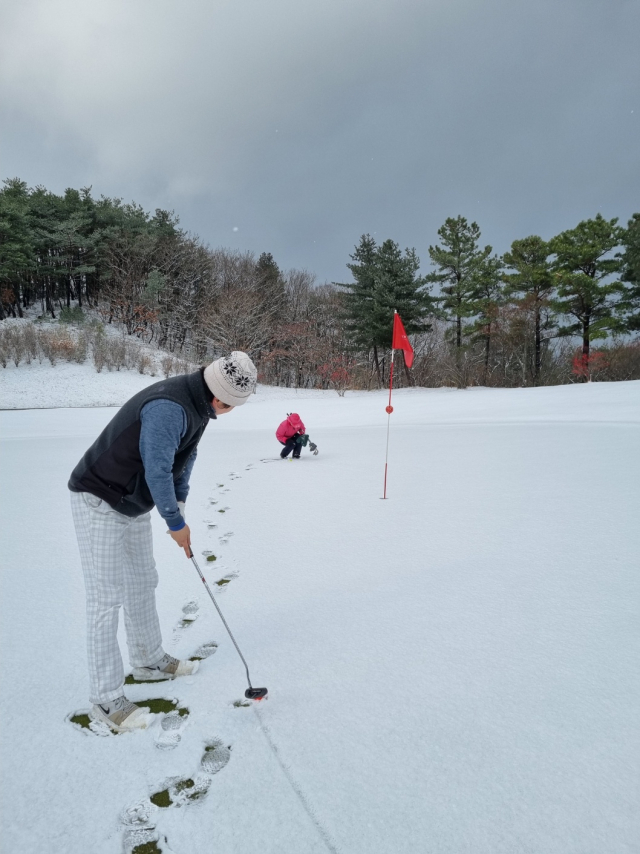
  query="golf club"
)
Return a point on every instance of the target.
[{"x": 251, "y": 693}]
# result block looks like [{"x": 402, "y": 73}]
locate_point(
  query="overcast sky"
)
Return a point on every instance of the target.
[{"x": 293, "y": 127}]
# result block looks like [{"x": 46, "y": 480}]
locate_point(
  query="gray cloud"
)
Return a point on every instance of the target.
[{"x": 305, "y": 124}]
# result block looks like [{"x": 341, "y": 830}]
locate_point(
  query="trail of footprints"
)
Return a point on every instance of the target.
[
  {"x": 212, "y": 524},
  {"x": 140, "y": 833},
  {"x": 138, "y": 821},
  {"x": 191, "y": 608}
]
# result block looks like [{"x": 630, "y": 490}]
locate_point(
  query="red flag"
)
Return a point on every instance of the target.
[{"x": 400, "y": 340}]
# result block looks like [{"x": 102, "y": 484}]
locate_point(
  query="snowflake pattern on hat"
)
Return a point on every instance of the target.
[
  {"x": 235, "y": 376},
  {"x": 231, "y": 378}
]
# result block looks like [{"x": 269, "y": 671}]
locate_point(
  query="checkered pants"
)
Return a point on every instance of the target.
[{"x": 116, "y": 553}]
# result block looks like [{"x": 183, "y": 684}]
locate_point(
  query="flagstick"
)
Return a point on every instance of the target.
[
  {"x": 389, "y": 411},
  {"x": 399, "y": 337}
]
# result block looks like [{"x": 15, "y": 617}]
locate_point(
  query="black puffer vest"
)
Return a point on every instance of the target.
[{"x": 112, "y": 468}]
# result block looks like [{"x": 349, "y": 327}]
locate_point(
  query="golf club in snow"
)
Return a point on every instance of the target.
[{"x": 251, "y": 693}]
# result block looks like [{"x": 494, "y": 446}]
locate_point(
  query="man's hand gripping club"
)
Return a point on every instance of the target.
[
  {"x": 183, "y": 536},
  {"x": 183, "y": 539}
]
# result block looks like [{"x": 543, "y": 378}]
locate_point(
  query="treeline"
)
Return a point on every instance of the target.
[
  {"x": 505, "y": 321},
  {"x": 143, "y": 273},
  {"x": 476, "y": 318}
]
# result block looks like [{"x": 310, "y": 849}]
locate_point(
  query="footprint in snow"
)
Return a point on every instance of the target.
[
  {"x": 140, "y": 835},
  {"x": 205, "y": 651},
  {"x": 171, "y": 728},
  {"x": 225, "y": 537},
  {"x": 215, "y": 756},
  {"x": 139, "y": 820},
  {"x": 189, "y": 615},
  {"x": 234, "y": 475},
  {"x": 144, "y": 841},
  {"x": 221, "y": 583},
  {"x": 190, "y": 611}
]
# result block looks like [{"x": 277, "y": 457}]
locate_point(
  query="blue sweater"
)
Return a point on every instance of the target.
[{"x": 164, "y": 423}]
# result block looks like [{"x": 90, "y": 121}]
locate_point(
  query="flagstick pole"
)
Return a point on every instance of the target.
[{"x": 389, "y": 411}]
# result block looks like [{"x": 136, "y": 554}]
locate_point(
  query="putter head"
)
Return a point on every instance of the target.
[{"x": 255, "y": 693}]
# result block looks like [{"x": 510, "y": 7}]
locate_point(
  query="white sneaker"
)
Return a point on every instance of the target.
[
  {"x": 121, "y": 715},
  {"x": 167, "y": 668}
]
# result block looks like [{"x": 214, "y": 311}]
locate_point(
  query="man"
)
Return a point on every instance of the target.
[{"x": 142, "y": 458}]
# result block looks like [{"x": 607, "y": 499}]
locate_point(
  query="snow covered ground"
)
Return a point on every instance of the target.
[{"x": 454, "y": 669}]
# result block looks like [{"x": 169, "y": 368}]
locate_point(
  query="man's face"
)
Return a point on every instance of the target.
[{"x": 219, "y": 407}]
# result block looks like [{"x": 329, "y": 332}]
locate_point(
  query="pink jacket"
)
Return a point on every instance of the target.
[{"x": 289, "y": 427}]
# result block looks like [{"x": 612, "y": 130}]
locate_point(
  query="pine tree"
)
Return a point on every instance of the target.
[
  {"x": 46, "y": 212},
  {"x": 358, "y": 298},
  {"x": 73, "y": 255},
  {"x": 487, "y": 297},
  {"x": 16, "y": 245},
  {"x": 631, "y": 273},
  {"x": 532, "y": 283},
  {"x": 458, "y": 261},
  {"x": 583, "y": 267},
  {"x": 267, "y": 270},
  {"x": 271, "y": 285},
  {"x": 397, "y": 287},
  {"x": 385, "y": 280}
]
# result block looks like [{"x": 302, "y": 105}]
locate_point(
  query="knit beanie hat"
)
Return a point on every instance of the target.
[{"x": 232, "y": 378}]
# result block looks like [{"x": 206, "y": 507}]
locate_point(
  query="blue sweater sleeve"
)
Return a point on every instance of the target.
[
  {"x": 181, "y": 485},
  {"x": 164, "y": 423}
]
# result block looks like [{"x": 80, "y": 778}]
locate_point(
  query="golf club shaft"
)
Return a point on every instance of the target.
[{"x": 204, "y": 581}]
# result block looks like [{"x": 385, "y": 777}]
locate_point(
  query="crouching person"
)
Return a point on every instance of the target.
[
  {"x": 290, "y": 434},
  {"x": 143, "y": 458}
]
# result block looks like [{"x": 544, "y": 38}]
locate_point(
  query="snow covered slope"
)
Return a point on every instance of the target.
[{"x": 454, "y": 669}]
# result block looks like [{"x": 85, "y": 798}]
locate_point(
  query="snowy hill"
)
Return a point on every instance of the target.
[{"x": 451, "y": 670}]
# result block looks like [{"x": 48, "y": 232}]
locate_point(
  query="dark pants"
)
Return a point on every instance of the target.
[{"x": 291, "y": 445}]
